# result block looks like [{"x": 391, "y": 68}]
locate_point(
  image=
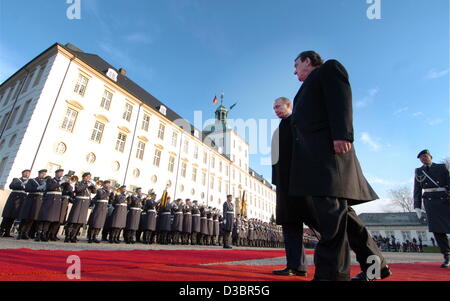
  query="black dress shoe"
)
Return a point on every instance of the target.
[
  {"x": 384, "y": 273},
  {"x": 446, "y": 263},
  {"x": 227, "y": 247},
  {"x": 289, "y": 272},
  {"x": 67, "y": 239}
]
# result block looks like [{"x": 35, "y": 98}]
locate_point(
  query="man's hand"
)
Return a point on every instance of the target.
[
  {"x": 418, "y": 212},
  {"x": 342, "y": 146}
]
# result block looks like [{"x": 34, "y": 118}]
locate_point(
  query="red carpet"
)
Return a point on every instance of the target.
[{"x": 145, "y": 265}]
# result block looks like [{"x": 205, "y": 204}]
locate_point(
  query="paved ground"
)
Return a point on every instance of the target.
[{"x": 10, "y": 243}]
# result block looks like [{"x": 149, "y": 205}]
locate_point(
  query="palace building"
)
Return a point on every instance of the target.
[{"x": 70, "y": 109}]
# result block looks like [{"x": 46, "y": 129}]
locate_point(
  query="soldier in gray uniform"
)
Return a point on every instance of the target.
[
  {"x": 148, "y": 218},
  {"x": 228, "y": 221},
  {"x": 51, "y": 205},
  {"x": 220, "y": 230},
  {"x": 103, "y": 197},
  {"x": 177, "y": 222},
  {"x": 32, "y": 204},
  {"x": 236, "y": 230},
  {"x": 187, "y": 222},
  {"x": 203, "y": 225},
  {"x": 67, "y": 194},
  {"x": 133, "y": 216},
  {"x": 119, "y": 214},
  {"x": 431, "y": 185},
  {"x": 164, "y": 222},
  {"x": 14, "y": 202},
  {"x": 195, "y": 223},
  {"x": 216, "y": 228},
  {"x": 79, "y": 211},
  {"x": 209, "y": 218}
]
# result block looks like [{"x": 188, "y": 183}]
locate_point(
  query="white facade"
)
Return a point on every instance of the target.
[{"x": 59, "y": 111}]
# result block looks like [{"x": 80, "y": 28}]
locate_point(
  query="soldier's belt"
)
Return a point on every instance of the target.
[
  {"x": 165, "y": 212},
  {"x": 19, "y": 191},
  {"x": 38, "y": 193},
  {"x": 151, "y": 210},
  {"x": 187, "y": 213},
  {"x": 230, "y": 212},
  {"x": 82, "y": 197},
  {"x": 121, "y": 204},
  {"x": 53, "y": 192},
  {"x": 102, "y": 201},
  {"x": 134, "y": 208},
  {"x": 435, "y": 189},
  {"x": 195, "y": 214},
  {"x": 203, "y": 217},
  {"x": 178, "y": 212}
]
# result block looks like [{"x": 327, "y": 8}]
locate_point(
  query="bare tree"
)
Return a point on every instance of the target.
[
  {"x": 401, "y": 197},
  {"x": 446, "y": 161}
]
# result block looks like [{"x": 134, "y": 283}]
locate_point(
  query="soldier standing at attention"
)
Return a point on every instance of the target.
[
  {"x": 164, "y": 222},
  {"x": 14, "y": 202},
  {"x": 431, "y": 184},
  {"x": 133, "y": 216},
  {"x": 228, "y": 214},
  {"x": 149, "y": 218},
  {"x": 195, "y": 222},
  {"x": 119, "y": 215},
  {"x": 187, "y": 222},
  {"x": 97, "y": 219},
  {"x": 51, "y": 205},
  {"x": 30, "y": 208},
  {"x": 78, "y": 213}
]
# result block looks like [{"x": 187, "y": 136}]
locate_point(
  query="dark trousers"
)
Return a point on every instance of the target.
[
  {"x": 226, "y": 238},
  {"x": 340, "y": 229},
  {"x": 25, "y": 227},
  {"x": 72, "y": 231},
  {"x": 293, "y": 244},
  {"x": 6, "y": 225},
  {"x": 54, "y": 228},
  {"x": 442, "y": 242},
  {"x": 43, "y": 227}
]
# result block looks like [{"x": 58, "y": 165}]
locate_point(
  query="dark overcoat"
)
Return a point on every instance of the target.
[
  {"x": 101, "y": 200},
  {"x": 32, "y": 205},
  {"x": 67, "y": 195},
  {"x": 119, "y": 215},
  {"x": 79, "y": 211},
  {"x": 134, "y": 212},
  {"x": 322, "y": 113},
  {"x": 228, "y": 216},
  {"x": 195, "y": 219},
  {"x": 164, "y": 218},
  {"x": 215, "y": 224},
  {"x": 15, "y": 198},
  {"x": 437, "y": 204},
  {"x": 187, "y": 219},
  {"x": 149, "y": 215},
  {"x": 51, "y": 203},
  {"x": 203, "y": 222}
]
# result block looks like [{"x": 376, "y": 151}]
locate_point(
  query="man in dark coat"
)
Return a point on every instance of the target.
[
  {"x": 79, "y": 211},
  {"x": 66, "y": 197},
  {"x": 51, "y": 205},
  {"x": 187, "y": 222},
  {"x": 14, "y": 202},
  {"x": 290, "y": 211},
  {"x": 149, "y": 218},
  {"x": 119, "y": 214},
  {"x": 32, "y": 204},
  {"x": 164, "y": 222},
  {"x": 325, "y": 167},
  {"x": 177, "y": 223},
  {"x": 97, "y": 219},
  {"x": 195, "y": 223},
  {"x": 133, "y": 216},
  {"x": 431, "y": 185},
  {"x": 228, "y": 221},
  {"x": 215, "y": 234}
]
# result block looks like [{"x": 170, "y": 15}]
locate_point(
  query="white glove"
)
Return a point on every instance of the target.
[{"x": 418, "y": 212}]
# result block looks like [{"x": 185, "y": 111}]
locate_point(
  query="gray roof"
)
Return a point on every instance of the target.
[{"x": 392, "y": 219}]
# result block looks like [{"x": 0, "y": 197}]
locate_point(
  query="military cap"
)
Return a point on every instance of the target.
[
  {"x": 123, "y": 186},
  {"x": 42, "y": 170},
  {"x": 59, "y": 170},
  {"x": 86, "y": 174},
  {"x": 25, "y": 170},
  {"x": 425, "y": 151},
  {"x": 107, "y": 182}
]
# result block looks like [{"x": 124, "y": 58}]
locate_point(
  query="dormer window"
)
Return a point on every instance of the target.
[
  {"x": 112, "y": 74},
  {"x": 163, "y": 110},
  {"x": 196, "y": 134}
]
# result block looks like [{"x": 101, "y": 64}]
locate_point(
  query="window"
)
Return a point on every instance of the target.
[
  {"x": 120, "y": 143},
  {"x": 145, "y": 122},
  {"x": 69, "y": 120},
  {"x": 12, "y": 118},
  {"x": 194, "y": 174},
  {"x": 161, "y": 130},
  {"x": 220, "y": 185},
  {"x": 157, "y": 157},
  {"x": 3, "y": 164},
  {"x": 106, "y": 100},
  {"x": 39, "y": 75},
  {"x": 186, "y": 146},
  {"x": 97, "y": 132},
  {"x": 406, "y": 235},
  {"x": 196, "y": 151},
  {"x": 136, "y": 172},
  {"x": 24, "y": 111},
  {"x": 171, "y": 163},
  {"x": 204, "y": 178},
  {"x": 220, "y": 166},
  {"x": 12, "y": 140},
  {"x": 205, "y": 157},
  {"x": 116, "y": 166},
  {"x": 212, "y": 182},
  {"x": 90, "y": 158},
  {"x": 81, "y": 85},
  {"x": 8, "y": 96},
  {"x": 422, "y": 235},
  {"x": 174, "y": 138},
  {"x": 127, "y": 112},
  {"x": 140, "y": 150},
  {"x": 60, "y": 148},
  {"x": 28, "y": 81},
  {"x": 183, "y": 169},
  {"x": 213, "y": 162},
  {"x": 19, "y": 85}
]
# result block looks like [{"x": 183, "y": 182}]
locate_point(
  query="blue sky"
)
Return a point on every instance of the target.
[{"x": 186, "y": 51}]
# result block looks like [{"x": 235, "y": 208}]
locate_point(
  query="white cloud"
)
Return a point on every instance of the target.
[
  {"x": 417, "y": 114},
  {"x": 367, "y": 139},
  {"x": 368, "y": 98},
  {"x": 435, "y": 121},
  {"x": 433, "y": 73}
]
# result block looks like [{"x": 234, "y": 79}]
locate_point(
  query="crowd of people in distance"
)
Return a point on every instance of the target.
[{"x": 390, "y": 244}]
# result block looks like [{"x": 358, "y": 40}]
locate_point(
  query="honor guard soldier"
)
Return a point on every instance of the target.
[
  {"x": 187, "y": 222},
  {"x": 195, "y": 222},
  {"x": 431, "y": 185},
  {"x": 220, "y": 230},
  {"x": 14, "y": 202},
  {"x": 236, "y": 230},
  {"x": 209, "y": 215},
  {"x": 203, "y": 226},
  {"x": 215, "y": 234},
  {"x": 66, "y": 197},
  {"x": 51, "y": 205},
  {"x": 177, "y": 223},
  {"x": 228, "y": 220},
  {"x": 32, "y": 204},
  {"x": 133, "y": 216},
  {"x": 164, "y": 222},
  {"x": 119, "y": 214},
  {"x": 79, "y": 211},
  {"x": 149, "y": 218},
  {"x": 103, "y": 197}
]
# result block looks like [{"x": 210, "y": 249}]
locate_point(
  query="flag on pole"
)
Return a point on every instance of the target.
[
  {"x": 232, "y": 106},
  {"x": 164, "y": 199},
  {"x": 215, "y": 99},
  {"x": 243, "y": 205}
]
